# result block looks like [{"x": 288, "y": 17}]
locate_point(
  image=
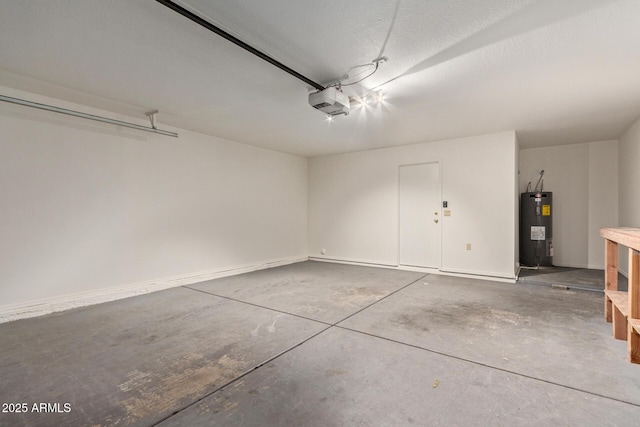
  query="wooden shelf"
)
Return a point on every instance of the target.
[
  {"x": 622, "y": 309},
  {"x": 629, "y": 237},
  {"x": 620, "y": 299},
  {"x": 619, "y": 312}
]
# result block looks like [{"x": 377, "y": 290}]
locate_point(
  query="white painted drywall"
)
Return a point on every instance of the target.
[
  {"x": 566, "y": 175},
  {"x": 583, "y": 180},
  {"x": 516, "y": 207},
  {"x": 353, "y": 203},
  {"x": 629, "y": 184},
  {"x": 87, "y": 206},
  {"x": 603, "y": 197}
]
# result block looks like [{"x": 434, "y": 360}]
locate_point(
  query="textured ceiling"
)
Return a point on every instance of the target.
[{"x": 557, "y": 72}]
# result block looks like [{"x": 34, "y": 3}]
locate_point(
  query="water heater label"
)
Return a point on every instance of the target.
[
  {"x": 537, "y": 232},
  {"x": 546, "y": 210}
]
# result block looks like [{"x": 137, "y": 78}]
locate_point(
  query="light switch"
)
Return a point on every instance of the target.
[{"x": 447, "y": 212}]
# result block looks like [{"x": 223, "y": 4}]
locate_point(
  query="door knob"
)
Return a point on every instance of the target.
[{"x": 435, "y": 220}]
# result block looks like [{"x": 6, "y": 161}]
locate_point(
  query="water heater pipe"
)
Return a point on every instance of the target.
[{"x": 539, "y": 179}]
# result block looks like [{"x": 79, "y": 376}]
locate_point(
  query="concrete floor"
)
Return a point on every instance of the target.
[{"x": 318, "y": 344}]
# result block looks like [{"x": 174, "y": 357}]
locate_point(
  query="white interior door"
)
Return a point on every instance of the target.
[{"x": 419, "y": 214}]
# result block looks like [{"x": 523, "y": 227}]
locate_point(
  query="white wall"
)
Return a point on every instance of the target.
[
  {"x": 353, "y": 203},
  {"x": 516, "y": 208},
  {"x": 86, "y": 205},
  {"x": 629, "y": 184},
  {"x": 583, "y": 179},
  {"x": 603, "y": 197}
]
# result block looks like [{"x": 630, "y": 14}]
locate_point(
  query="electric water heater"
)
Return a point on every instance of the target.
[{"x": 536, "y": 231}]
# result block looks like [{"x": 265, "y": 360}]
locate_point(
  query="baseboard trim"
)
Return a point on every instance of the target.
[
  {"x": 352, "y": 262},
  {"x": 625, "y": 273},
  {"x": 572, "y": 265},
  {"x": 469, "y": 275},
  {"x": 492, "y": 277},
  {"x": 11, "y": 312}
]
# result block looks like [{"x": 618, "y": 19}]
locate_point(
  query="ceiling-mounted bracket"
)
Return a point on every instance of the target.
[
  {"x": 152, "y": 117},
  {"x": 87, "y": 116}
]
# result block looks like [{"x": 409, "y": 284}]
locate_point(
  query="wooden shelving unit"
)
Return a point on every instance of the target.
[{"x": 622, "y": 309}]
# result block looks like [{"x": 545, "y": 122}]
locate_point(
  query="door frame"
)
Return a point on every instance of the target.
[{"x": 439, "y": 187}]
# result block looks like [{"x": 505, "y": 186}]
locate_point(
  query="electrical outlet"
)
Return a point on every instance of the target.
[{"x": 468, "y": 246}]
